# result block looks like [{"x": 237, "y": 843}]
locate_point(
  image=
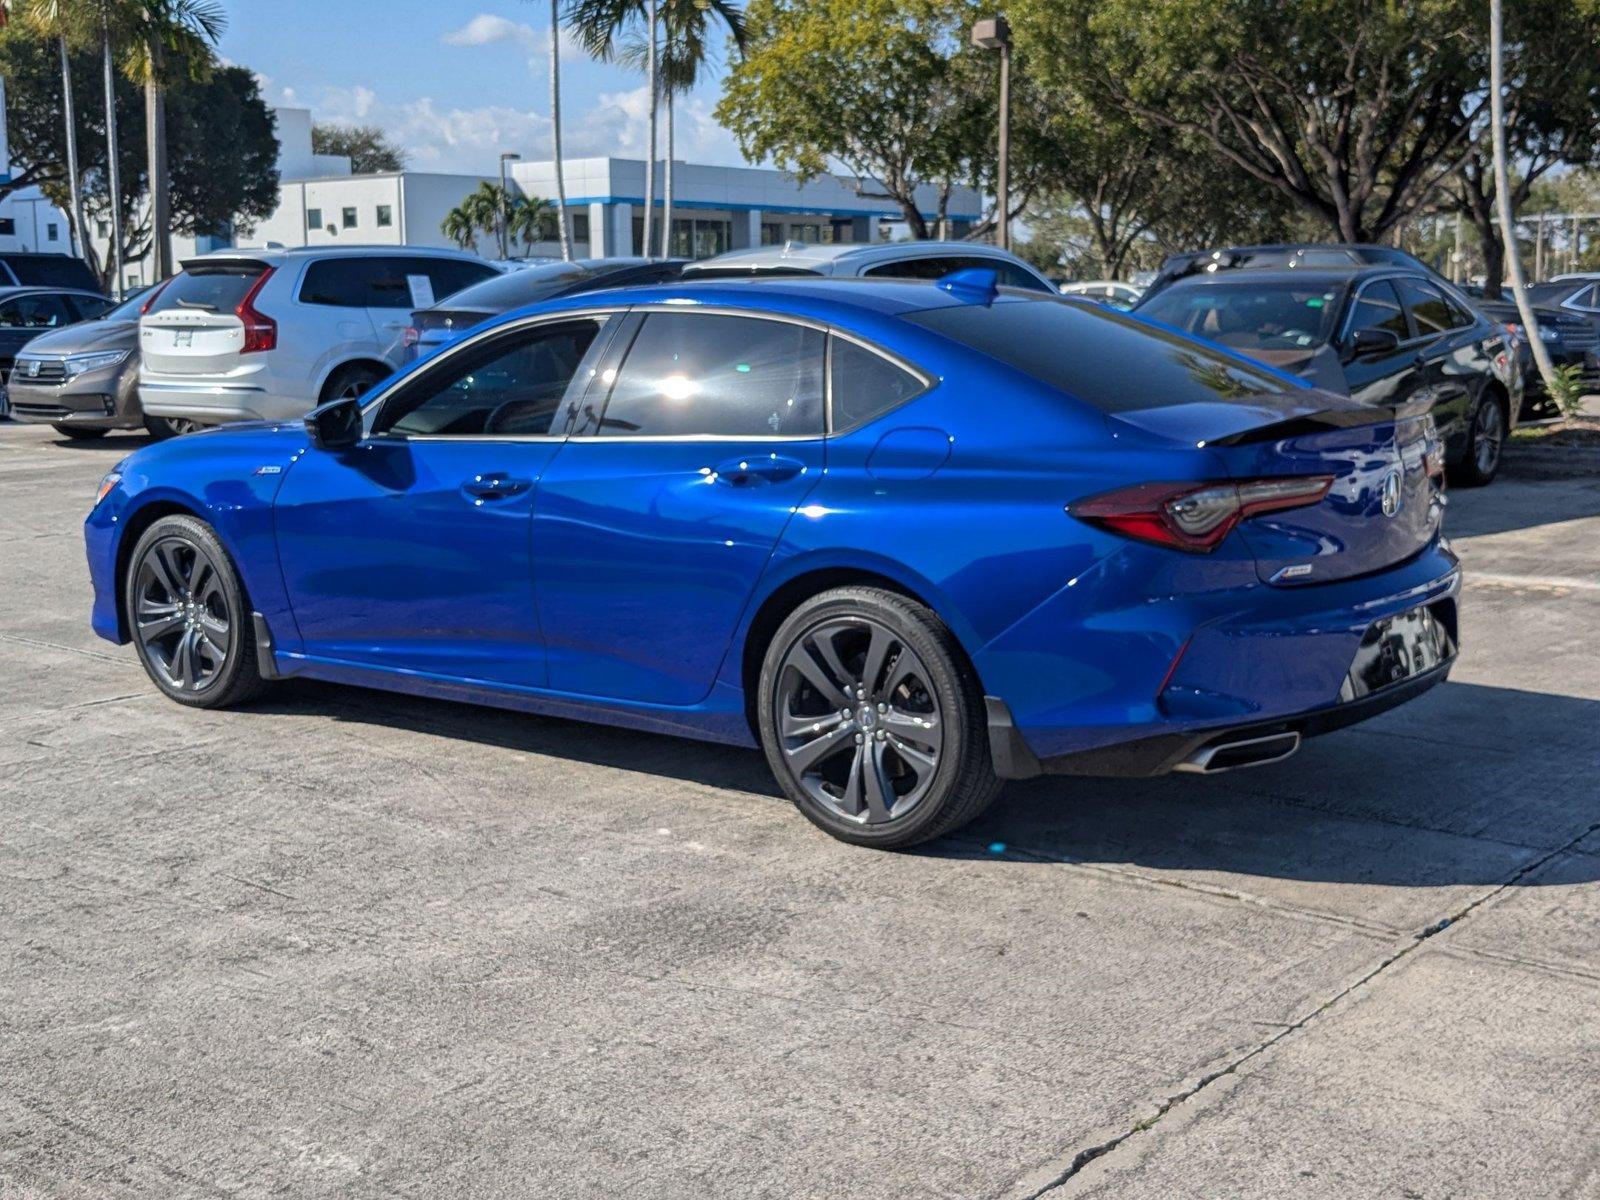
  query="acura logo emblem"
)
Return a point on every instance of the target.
[{"x": 1391, "y": 493}]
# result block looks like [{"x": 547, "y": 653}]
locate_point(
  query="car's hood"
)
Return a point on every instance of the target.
[{"x": 87, "y": 336}]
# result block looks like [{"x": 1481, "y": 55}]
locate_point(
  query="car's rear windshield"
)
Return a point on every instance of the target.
[
  {"x": 1248, "y": 316},
  {"x": 1103, "y": 357},
  {"x": 215, "y": 286},
  {"x": 516, "y": 288},
  {"x": 693, "y": 272}
]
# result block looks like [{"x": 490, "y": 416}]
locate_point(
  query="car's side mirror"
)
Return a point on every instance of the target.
[
  {"x": 1374, "y": 341},
  {"x": 335, "y": 425}
]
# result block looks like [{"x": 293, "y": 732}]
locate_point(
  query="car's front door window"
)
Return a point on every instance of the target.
[
  {"x": 509, "y": 386},
  {"x": 1427, "y": 307}
]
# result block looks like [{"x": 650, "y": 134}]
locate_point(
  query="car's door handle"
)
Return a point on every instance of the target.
[
  {"x": 495, "y": 485},
  {"x": 757, "y": 469}
]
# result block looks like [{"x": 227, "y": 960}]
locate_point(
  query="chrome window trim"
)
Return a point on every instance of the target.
[{"x": 1392, "y": 280}]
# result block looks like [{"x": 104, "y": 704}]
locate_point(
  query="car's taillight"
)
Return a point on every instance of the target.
[
  {"x": 1191, "y": 516},
  {"x": 260, "y": 330},
  {"x": 154, "y": 292},
  {"x": 410, "y": 337}
]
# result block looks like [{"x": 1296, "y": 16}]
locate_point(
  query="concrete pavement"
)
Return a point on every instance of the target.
[{"x": 351, "y": 944}]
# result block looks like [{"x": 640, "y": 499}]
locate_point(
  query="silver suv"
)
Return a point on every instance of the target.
[
  {"x": 270, "y": 334},
  {"x": 898, "y": 260}
]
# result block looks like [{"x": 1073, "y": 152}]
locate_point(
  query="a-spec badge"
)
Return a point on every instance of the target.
[{"x": 268, "y": 470}]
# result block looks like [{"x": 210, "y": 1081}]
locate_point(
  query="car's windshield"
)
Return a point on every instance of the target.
[
  {"x": 519, "y": 287},
  {"x": 1248, "y": 315},
  {"x": 128, "y": 310}
]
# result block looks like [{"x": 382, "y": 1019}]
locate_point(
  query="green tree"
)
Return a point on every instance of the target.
[
  {"x": 882, "y": 89},
  {"x": 1356, "y": 113},
  {"x": 529, "y": 219},
  {"x": 223, "y": 149},
  {"x": 366, "y": 146}
]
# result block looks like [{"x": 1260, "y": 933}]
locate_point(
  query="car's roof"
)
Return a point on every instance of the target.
[
  {"x": 802, "y": 254},
  {"x": 9, "y": 290},
  {"x": 1305, "y": 276},
  {"x": 284, "y": 253}
]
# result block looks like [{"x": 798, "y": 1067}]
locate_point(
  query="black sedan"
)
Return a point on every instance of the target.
[
  {"x": 1569, "y": 337},
  {"x": 434, "y": 326},
  {"x": 1380, "y": 333}
]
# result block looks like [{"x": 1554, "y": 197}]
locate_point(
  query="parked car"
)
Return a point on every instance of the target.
[
  {"x": 528, "y": 284},
  {"x": 1281, "y": 256},
  {"x": 1569, "y": 337},
  {"x": 25, "y": 269},
  {"x": 268, "y": 334},
  {"x": 1577, "y": 294},
  {"x": 84, "y": 379},
  {"x": 27, "y": 312},
  {"x": 1379, "y": 334},
  {"x": 1108, "y": 291},
  {"x": 870, "y": 260},
  {"x": 1049, "y": 537}
]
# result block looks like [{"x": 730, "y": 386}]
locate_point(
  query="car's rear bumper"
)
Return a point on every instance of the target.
[
  {"x": 218, "y": 404},
  {"x": 1137, "y": 690}
]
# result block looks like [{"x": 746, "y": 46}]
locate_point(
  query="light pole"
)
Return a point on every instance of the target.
[
  {"x": 505, "y": 217},
  {"x": 995, "y": 34}
]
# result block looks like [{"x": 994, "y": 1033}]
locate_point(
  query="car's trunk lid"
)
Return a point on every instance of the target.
[
  {"x": 1381, "y": 508},
  {"x": 192, "y": 326}
]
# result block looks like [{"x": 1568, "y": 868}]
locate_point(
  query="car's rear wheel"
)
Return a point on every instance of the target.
[
  {"x": 872, "y": 721},
  {"x": 349, "y": 382},
  {"x": 188, "y": 616},
  {"x": 162, "y": 428},
  {"x": 79, "y": 433},
  {"x": 1485, "y": 441}
]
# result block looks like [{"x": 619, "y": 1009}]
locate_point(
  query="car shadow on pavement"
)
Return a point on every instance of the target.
[{"x": 1464, "y": 786}]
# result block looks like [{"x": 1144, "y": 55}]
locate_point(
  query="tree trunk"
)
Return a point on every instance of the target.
[
  {"x": 1494, "y": 259},
  {"x": 69, "y": 111},
  {"x": 113, "y": 173},
  {"x": 666, "y": 190},
  {"x": 555, "y": 133},
  {"x": 650, "y": 159},
  {"x": 155, "y": 140}
]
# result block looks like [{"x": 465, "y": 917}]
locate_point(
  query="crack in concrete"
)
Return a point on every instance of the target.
[{"x": 1090, "y": 1153}]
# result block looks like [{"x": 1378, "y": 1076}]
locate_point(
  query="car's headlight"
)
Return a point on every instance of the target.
[
  {"x": 77, "y": 364},
  {"x": 110, "y": 481}
]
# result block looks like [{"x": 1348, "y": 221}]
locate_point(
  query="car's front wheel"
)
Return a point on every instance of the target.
[
  {"x": 872, "y": 721},
  {"x": 188, "y": 616},
  {"x": 1485, "y": 440}
]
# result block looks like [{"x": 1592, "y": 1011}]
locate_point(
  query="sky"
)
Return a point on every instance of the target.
[{"x": 454, "y": 82}]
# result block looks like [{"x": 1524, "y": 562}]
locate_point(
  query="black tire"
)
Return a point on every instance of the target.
[
  {"x": 352, "y": 379},
  {"x": 182, "y": 582},
  {"x": 162, "y": 428},
  {"x": 851, "y": 787},
  {"x": 1486, "y": 435},
  {"x": 79, "y": 433}
]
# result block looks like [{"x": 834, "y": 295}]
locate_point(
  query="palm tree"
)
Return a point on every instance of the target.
[
  {"x": 163, "y": 36},
  {"x": 611, "y": 29},
  {"x": 532, "y": 220},
  {"x": 555, "y": 128},
  {"x": 528, "y": 218},
  {"x": 53, "y": 19}
]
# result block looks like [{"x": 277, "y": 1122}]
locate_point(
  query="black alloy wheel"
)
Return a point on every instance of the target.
[
  {"x": 188, "y": 616},
  {"x": 872, "y": 722}
]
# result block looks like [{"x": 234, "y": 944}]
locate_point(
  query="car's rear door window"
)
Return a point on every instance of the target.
[
  {"x": 709, "y": 375},
  {"x": 1426, "y": 305},
  {"x": 218, "y": 287},
  {"x": 42, "y": 311},
  {"x": 864, "y": 385}
]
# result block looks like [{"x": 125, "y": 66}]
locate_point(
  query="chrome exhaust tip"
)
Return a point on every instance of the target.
[{"x": 1240, "y": 752}]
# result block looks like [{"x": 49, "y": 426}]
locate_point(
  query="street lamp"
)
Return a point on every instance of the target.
[
  {"x": 505, "y": 217},
  {"x": 995, "y": 34}
]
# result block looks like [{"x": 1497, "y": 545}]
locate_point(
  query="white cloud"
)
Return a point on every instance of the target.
[
  {"x": 469, "y": 139},
  {"x": 486, "y": 29}
]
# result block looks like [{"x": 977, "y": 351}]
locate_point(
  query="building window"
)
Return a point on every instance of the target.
[
  {"x": 580, "y": 227},
  {"x": 348, "y": 218},
  {"x": 385, "y": 216},
  {"x": 8, "y": 226},
  {"x": 51, "y": 233},
  {"x": 771, "y": 233},
  {"x": 313, "y": 218}
]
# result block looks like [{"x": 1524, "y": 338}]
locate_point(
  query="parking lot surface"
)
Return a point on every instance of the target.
[{"x": 351, "y": 944}]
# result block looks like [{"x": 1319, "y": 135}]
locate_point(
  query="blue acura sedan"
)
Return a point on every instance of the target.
[{"x": 910, "y": 538}]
